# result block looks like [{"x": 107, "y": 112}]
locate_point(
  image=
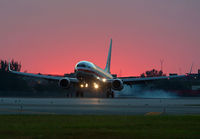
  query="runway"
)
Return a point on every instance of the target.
[{"x": 100, "y": 106}]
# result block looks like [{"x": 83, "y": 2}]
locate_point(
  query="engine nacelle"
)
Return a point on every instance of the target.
[
  {"x": 117, "y": 84},
  {"x": 64, "y": 83}
]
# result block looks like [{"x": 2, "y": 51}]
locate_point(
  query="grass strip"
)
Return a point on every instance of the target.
[{"x": 95, "y": 127}]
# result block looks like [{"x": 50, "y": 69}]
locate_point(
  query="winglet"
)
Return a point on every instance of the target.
[
  {"x": 107, "y": 68},
  {"x": 9, "y": 69}
]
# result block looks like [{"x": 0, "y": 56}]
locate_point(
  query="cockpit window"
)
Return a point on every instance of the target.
[
  {"x": 81, "y": 65},
  {"x": 85, "y": 64}
]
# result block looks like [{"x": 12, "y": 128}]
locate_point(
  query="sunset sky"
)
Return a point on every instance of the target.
[{"x": 51, "y": 36}]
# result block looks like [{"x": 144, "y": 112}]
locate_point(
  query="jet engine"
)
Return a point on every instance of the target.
[
  {"x": 117, "y": 84},
  {"x": 64, "y": 83}
]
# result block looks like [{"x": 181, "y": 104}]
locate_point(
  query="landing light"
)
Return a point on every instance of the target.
[
  {"x": 86, "y": 85},
  {"x": 96, "y": 86},
  {"x": 82, "y": 85},
  {"x": 104, "y": 80},
  {"x": 98, "y": 78}
]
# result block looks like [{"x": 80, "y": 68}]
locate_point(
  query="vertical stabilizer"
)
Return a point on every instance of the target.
[{"x": 107, "y": 68}]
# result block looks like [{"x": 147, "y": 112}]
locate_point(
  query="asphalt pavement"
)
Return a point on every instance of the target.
[{"x": 100, "y": 106}]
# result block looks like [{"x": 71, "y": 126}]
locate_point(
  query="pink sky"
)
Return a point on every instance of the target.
[{"x": 51, "y": 36}]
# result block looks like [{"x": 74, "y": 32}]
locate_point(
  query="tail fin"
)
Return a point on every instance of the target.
[{"x": 107, "y": 68}]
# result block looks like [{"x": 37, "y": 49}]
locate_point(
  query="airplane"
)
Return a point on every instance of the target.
[{"x": 89, "y": 75}]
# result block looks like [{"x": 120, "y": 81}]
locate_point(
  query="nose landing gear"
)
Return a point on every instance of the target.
[
  {"x": 79, "y": 93},
  {"x": 81, "y": 88}
]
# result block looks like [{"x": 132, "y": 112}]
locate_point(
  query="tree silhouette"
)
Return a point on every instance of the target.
[
  {"x": 152, "y": 73},
  {"x": 4, "y": 65},
  {"x": 14, "y": 65}
]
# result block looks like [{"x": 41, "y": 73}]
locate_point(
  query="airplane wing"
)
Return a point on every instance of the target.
[
  {"x": 47, "y": 77},
  {"x": 148, "y": 79}
]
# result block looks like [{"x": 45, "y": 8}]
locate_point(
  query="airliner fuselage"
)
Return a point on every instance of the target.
[{"x": 85, "y": 70}]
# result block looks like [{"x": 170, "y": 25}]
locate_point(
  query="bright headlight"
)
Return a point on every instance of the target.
[
  {"x": 86, "y": 85},
  {"x": 81, "y": 85},
  {"x": 96, "y": 86},
  {"x": 104, "y": 79}
]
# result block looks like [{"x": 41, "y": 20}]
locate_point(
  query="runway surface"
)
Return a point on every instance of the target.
[{"x": 100, "y": 106}]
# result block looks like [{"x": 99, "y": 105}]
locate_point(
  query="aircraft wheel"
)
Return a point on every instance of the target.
[
  {"x": 112, "y": 94},
  {"x": 82, "y": 94},
  {"x": 107, "y": 94},
  {"x": 77, "y": 93},
  {"x": 70, "y": 94}
]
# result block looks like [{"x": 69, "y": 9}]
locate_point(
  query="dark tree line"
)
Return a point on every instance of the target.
[
  {"x": 153, "y": 73},
  {"x": 16, "y": 85},
  {"x": 14, "y": 65}
]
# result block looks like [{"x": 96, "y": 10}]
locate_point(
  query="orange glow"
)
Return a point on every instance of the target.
[{"x": 50, "y": 37}]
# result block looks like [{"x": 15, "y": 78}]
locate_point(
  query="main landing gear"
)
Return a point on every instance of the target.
[
  {"x": 109, "y": 93},
  {"x": 69, "y": 95}
]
